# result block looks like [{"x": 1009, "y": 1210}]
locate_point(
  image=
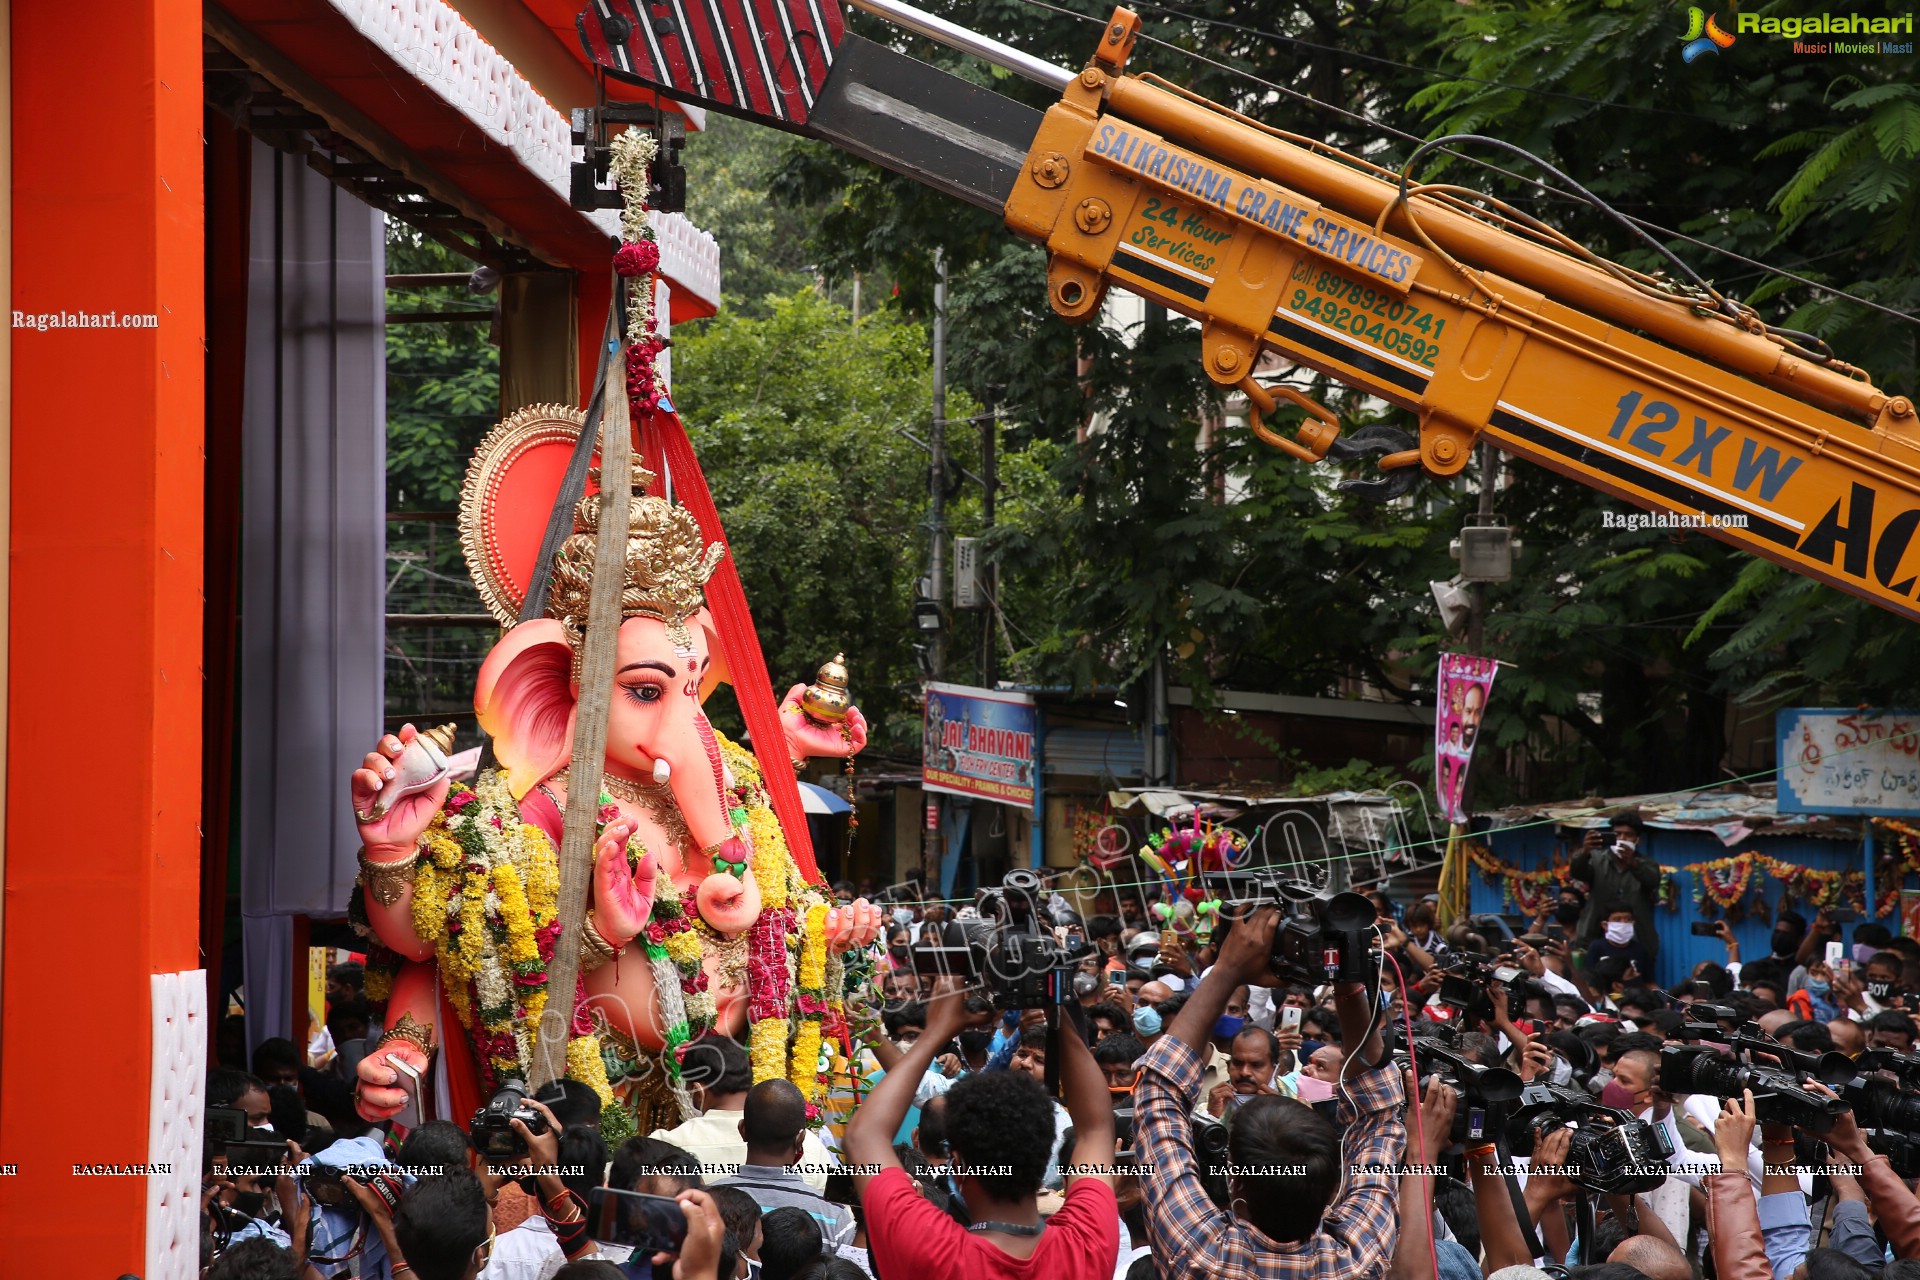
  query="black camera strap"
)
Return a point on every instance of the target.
[{"x": 1528, "y": 1235}]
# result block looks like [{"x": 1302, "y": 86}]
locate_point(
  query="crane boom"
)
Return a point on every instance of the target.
[{"x": 1482, "y": 327}]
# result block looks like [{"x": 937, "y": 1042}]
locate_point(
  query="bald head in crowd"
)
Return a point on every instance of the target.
[
  {"x": 1774, "y": 1019},
  {"x": 774, "y": 1123},
  {"x": 1848, "y": 1038},
  {"x": 1654, "y": 1259},
  {"x": 1152, "y": 993}
]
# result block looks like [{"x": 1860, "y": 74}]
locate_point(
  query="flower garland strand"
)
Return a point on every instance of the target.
[
  {"x": 768, "y": 992},
  {"x": 805, "y": 1070},
  {"x": 637, "y": 260}
]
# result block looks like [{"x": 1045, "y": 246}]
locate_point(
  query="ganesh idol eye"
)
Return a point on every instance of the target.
[{"x": 644, "y": 692}]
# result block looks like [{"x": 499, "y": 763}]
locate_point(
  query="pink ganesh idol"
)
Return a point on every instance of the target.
[{"x": 695, "y": 902}]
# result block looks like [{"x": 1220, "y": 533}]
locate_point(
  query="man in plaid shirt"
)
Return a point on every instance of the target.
[{"x": 1293, "y": 1217}]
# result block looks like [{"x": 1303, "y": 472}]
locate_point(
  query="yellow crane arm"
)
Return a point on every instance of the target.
[{"x": 1412, "y": 296}]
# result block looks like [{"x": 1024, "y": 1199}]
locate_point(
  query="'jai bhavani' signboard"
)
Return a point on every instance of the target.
[
  {"x": 980, "y": 743},
  {"x": 1848, "y": 761}
]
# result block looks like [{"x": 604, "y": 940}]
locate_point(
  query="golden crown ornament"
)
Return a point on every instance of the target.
[{"x": 668, "y": 563}]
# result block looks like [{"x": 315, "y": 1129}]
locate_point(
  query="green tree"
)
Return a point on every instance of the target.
[{"x": 797, "y": 418}]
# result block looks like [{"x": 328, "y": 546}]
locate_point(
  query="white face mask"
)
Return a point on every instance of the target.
[{"x": 1619, "y": 934}]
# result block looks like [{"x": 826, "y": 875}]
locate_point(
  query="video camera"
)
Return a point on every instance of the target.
[
  {"x": 494, "y": 1136},
  {"x": 1889, "y": 1112},
  {"x": 1484, "y": 1092},
  {"x": 1779, "y": 1095},
  {"x": 1319, "y": 938},
  {"x": 1010, "y": 948},
  {"x": 1615, "y": 1152},
  {"x": 1466, "y": 979}
]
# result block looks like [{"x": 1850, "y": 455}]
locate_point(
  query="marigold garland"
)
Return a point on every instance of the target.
[
  {"x": 1720, "y": 884},
  {"x": 486, "y": 893},
  {"x": 805, "y": 1070}
]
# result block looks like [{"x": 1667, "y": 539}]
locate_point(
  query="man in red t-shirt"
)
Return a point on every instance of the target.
[{"x": 1000, "y": 1131}]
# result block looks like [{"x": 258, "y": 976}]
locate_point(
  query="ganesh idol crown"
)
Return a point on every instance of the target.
[{"x": 698, "y": 917}]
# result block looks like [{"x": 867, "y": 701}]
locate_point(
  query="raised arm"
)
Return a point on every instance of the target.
[
  {"x": 1413, "y": 1255},
  {"x": 869, "y": 1136},
  {"x": 1088, "y": 1101},
  {"x": 1181, "y": 1217}
]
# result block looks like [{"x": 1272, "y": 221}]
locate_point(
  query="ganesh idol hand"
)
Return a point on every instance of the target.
[
  {"x": 853, "y": 926},
  {"x": 379, "y": 1096},
  {"x": 400, "y": 826},
  {"x": 807, "y": 737},
  {"x": 622, "y": 898}
]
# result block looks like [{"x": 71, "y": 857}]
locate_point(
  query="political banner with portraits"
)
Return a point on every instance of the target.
[{"x": 1466, "y": 683}]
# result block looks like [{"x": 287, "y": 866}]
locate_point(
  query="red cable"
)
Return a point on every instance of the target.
[{"x": 1406, "y": 1013}]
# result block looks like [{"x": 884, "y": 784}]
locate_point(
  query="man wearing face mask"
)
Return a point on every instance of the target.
[
  {"x": 1570, "y": 907},
  {"x": 1623, "y": 878},
  {"x": 1620, "y": 944}
]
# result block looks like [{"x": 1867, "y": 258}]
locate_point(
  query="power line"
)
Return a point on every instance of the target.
[{"x": 1485, "y": 164}]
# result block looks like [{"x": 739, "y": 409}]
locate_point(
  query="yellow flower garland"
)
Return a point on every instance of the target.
[
  {"x": 585, "y": 1064},
  {"x": 805, "y": 1068},
  {"x": 767, "y": 1048},
  {"x": 813, "y": 953}
]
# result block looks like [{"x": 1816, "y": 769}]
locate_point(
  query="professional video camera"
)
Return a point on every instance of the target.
[
  {"x": 1319, "y": 939},
  {"x": 1614, "y": 1152},
  {"x": 494, "y": 1136},
  {"x": 1466, "y": 979},
  {"x": 1901, "y": 1151},
  {"x": 1486, "y": 1093},
  {"x": 1010, "y": 947},
  {"x": 1779, "y": 1096}
]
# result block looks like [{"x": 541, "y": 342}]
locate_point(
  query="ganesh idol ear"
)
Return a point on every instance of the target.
[
  {"x": 524, "y": 699},
  {"x": 714, "y": 673}
]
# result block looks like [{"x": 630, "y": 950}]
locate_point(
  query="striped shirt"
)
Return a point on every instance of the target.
[{"x": 778, "y": 1187}]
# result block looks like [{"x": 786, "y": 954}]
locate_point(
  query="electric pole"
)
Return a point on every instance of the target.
[
  {"x": 937, "y": 504},
  {"x": 989, "y": 482}
]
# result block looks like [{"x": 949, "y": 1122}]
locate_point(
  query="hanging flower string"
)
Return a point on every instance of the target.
[
  {"x": 805, "y": 1071},
  {"x": 637, "y": 260},
  {"x": 1720, "y": 885}
]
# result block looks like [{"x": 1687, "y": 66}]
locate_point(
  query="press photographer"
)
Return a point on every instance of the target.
[{"x": 1339, "y": 1218}]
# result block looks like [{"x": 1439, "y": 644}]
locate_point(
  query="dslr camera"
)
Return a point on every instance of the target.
[
  {"x": 494, "y": 1136},
  {"x": 1010, "y": 948}
]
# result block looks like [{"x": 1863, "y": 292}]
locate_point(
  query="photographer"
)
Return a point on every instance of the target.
[
  {"x": 998, "y": 1128},
  {"x": 1754, "y": 1242},
  {"x": 1893, "y": 1201},
  {"x": 1279, "y": 1226}
]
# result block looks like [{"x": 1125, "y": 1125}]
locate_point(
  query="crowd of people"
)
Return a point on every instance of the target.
[{"x": 1205, "y": 1115}]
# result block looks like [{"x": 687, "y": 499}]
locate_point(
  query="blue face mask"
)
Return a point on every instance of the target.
[
  {"x": 1146, "y": 1020},
  {"x": 1819, "y": 988},
  {"x": 1228, "y": 1027},
  {"x": 903, "y": 916}
]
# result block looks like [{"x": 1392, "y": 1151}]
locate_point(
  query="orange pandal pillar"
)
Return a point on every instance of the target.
[{"x": 102, "y": 1056}]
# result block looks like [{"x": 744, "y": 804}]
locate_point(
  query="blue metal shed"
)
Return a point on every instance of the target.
[{"x": 1681, "y": 832}]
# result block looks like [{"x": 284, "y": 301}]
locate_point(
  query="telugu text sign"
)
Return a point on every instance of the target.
[
  {"x": 1848, "y": 761},
  {"x": 980, "y": 743}
]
